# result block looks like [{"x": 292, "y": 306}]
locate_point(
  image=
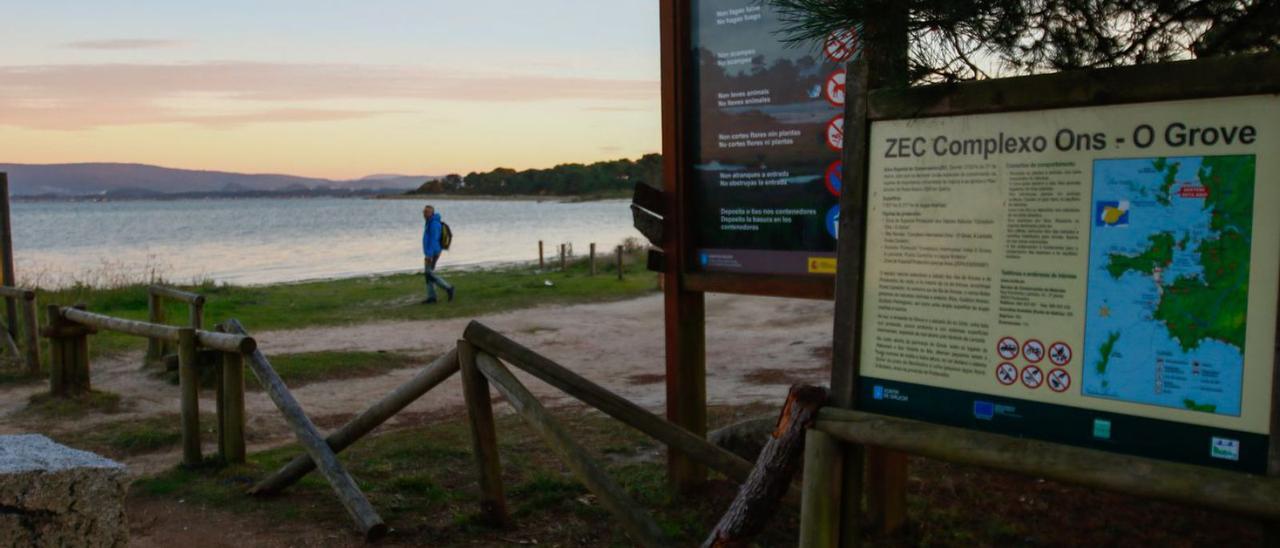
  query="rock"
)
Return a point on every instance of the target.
[{"x": 52, "y": 495}]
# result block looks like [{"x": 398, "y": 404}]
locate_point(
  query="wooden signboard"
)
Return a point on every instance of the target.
[
  {"x": 1076, "y": 266},
  {"x": 752, "y": 140}
]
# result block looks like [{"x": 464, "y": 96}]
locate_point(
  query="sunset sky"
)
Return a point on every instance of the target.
[{"x": 330, "y": 89}]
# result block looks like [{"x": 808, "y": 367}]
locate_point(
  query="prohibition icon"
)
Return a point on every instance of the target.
[
  {"x": 1032, "y": 377},
  {"x": 1060, "y": 354},
  {"x": 1059, "y": 380},
  {"x": 1007, "y": 348},
  {"x": 835, "y": 88},
  {"x": 1006, "y": 373},
  {"x": 840, "y": 45},
  {"x": 835, "y": 133},
  {"x": 1033, "y": 350},
  {"x": 833, "y": 177}
]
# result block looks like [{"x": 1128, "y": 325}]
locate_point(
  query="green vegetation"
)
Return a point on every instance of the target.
[
  {"x": 305, "y": 368},
  {"x": 1158, "y": 255},
  {"x": 1202, "y": 407},
  {"x": 1214, "y": 305},
  {"x": 135, "y": 436},
  {"x": 1170, "y": 171},
  {"x": 612, "y": 179},
  {"x": 1105, "y": 350},
  {"x": 370, "y": 298},
  {"x": 423, "y": 483},
  {"x": 47, "y": 406}
]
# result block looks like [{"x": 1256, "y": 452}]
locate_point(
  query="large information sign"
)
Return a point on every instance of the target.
[
  {"x": 1104, "y": 277},
  {"x": 767, "y": 130}
]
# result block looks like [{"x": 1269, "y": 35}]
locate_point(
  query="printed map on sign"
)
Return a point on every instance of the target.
[{"x": 1169, "y": 281}]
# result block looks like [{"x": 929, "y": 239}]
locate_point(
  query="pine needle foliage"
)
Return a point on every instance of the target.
[{"x": 954, "y": 40}]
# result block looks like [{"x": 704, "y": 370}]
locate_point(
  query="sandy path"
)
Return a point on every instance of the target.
[{"x": 756, "y": 347}]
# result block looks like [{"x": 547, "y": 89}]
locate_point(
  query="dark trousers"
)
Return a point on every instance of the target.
[{"x": 433, "y": 279}]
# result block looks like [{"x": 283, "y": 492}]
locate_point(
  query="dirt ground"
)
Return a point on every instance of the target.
[{"x": 756, "y": 348}]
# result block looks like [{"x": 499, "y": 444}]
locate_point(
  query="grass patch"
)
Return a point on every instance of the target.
[
  {"x": 48, "y": 406},
  {"x": 370, "y": 298},
  {"x": 136, "y": 436},
  {"x": 309, "y": 367},
  {"x": 423, "y": 483}
]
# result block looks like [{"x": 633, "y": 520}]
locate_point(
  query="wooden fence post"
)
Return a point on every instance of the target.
[
  {"x": 344, "y": 486},
  {"x": 57, "y": 359},
  {"x": 196, "y": 313},
  {"x": 189, "y": 383},
  {"x": 77, "y": 360},
  {"x": 155, "y": 314},
  {"x": 639, "y": 524},
  {"x": 542, "y": 263},
  {"x": 820, "y": 498},
  {"x": 563, "y": 258},
  {"x": 619, "y": 262},
  {"x": 593, "y": 258},
  {"x": 231, "y": 429},
  {"x": 484, "y": 438},
  {"x": 31, "y": 334}
]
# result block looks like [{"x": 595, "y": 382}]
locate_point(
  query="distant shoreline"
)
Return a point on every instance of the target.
[{"x": 301, "y": 196}]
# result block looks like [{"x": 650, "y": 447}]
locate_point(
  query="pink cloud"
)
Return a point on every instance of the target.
[
  {"x": 80, "y": 96},
  {"x": 122, "y": 43}
]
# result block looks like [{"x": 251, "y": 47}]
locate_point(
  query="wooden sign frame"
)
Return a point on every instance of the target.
[
  {"x": 685, "y": 287},
  {"x": 835, "y": 517}
]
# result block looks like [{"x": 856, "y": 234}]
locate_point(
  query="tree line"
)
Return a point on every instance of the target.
[{"x": 600, "y": 178}]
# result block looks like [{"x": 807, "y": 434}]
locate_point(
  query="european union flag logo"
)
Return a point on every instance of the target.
[
  {"x": 984, "y": 410},
  {"x": 704, "y": 259},
  {"x": 878, "y": 392}
]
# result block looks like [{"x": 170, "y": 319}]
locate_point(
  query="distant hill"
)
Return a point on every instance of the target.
[{"x": 139, "y": 180}]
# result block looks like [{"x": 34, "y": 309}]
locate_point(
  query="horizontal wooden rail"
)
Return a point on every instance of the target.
[
  {"x": 431, "y": 376},
  {"x": 176, "y": 294},
  {"x": 611, "y": 404},
  {"x": 1182, "y": 483},
  {"x": 17, "y": 293},
  {"x": 226, "y": 342}
]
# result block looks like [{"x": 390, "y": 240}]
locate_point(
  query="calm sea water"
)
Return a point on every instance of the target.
[{"x": 265, "y": 241}]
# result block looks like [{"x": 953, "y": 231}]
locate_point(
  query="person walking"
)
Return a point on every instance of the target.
[{"x": 431, "y": 248}]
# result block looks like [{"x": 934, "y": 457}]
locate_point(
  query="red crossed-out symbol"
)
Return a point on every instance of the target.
[
  {"x": 835, "y": 133},
  {"x": 1007, "y": 348},
  {"x": 1032, "y": 377},
  {"x": 1059, "y": 380},
  {"x": 835, "y": 88},
  {"x": 1006, "y": 373},
  {"x": 1033, "y": 350},
  {"x": 840, "y": 45},
  {"x": 1060, "y": 353}
]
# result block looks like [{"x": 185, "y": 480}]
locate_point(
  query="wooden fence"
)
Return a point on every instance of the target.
[
  {"x": 30, "y": 329},
  {"x": 158, "y": 348}
]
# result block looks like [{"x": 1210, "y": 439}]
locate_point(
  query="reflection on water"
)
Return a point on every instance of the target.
[{"x": 263, "y": 241}]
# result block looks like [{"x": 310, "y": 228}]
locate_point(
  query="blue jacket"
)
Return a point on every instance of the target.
[{"x": 431, "y": 237}]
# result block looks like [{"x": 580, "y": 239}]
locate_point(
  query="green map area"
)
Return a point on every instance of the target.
[{"x": 1168, "y": 288}]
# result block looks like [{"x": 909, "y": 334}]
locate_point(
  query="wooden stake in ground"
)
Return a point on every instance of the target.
[
  {"x": 343, "y": 485},
  {"x": 563, "y": 257},
  {"x": 231, "y": 430},
  {"x": 484, "y": 438},
  {"x": 189, "y": 383},
  {"x": 759, "y": 496},
  {"x": 431, "y": 376},
  {"x": 542, "y": 263},
  {"x": 641, "y": 527},
  {"x": 593, "y": 258},
  {"x": 619, "y": 262}
]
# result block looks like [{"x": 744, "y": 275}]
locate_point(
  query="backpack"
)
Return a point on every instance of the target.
[{"x": 446, "y": 235}]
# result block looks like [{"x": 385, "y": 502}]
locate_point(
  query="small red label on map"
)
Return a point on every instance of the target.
[{"x": 1194, "y": 192}]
